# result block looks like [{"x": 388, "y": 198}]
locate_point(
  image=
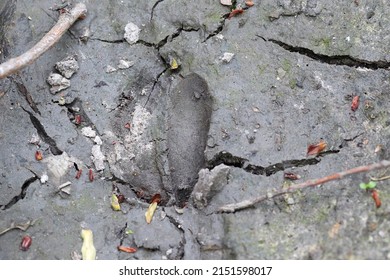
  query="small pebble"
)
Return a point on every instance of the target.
[{"x": 227, "y": 57}]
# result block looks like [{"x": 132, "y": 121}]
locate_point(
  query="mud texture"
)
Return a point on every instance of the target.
[
  {"x": 189, "y": 123},
  {"x": 180, "y": 120}
]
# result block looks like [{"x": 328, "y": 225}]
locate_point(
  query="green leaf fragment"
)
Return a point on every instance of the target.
[{"x": 367, "y": 186}]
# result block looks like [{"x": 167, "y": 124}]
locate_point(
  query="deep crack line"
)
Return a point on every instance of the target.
[
  {"x": 341, "y": 60},
  {"x": 25, "y": 93},
  {"x": 21, "y": 195},
  {"x": 153, "y": 8},
  {"x": 228, "y": 159},
  {"x": 43, "y": 134},
  {"x": 176, "y": 224}
]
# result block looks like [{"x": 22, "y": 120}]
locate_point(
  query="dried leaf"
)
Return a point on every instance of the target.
[
  {"x": 150, "y": 212},
  {"x": 291, "y": 176},
  {"x": 115, "y": 203},
  {"x": 127, "y": 249},
  {"x": 174, "y": 64},
  {"x": 26, "y": 243},
  {"x": 88, "y": 249},
  {"x": 64, "y": 188},
  {"x": 21, "y": 226},
  {"x": 376, "y": 198},
  {"x": 78, "y": 173},
  {"x": 249, "y": 3},
  {"x": 334, "y": 231},
  {"x": 156, "y": 198},
  {"x": 315, "y": 149},
  {"x": 121, "y": 198},
  {"x": 77, "y": 119},
  {"x": 235, "y": 12},
  {"x": 38, "y": 155},
  {"x": 90, "y": 175},
  {"x": 355, "y": 103}
]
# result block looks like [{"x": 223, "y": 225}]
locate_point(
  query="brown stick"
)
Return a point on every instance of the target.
[
  {"x": 50, "y": 39},
  {"x": 230, "y": 208}
]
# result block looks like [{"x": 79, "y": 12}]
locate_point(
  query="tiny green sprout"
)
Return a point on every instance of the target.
[
  {"x": 367, "y": 186},
  {"x": 129, "y": 231}
]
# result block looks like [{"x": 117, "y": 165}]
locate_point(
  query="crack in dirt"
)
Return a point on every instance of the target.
[
  {"x": 43, "y": 134},
  {"x": 24, "y": 92},
  {"x": 156, "y": 80},
  {"x": 228, "y": 159},
  {"x": 153, "y": 8},
  {"x": 22, "y": 193},
  {"x": 216, "y": 31},
  {"x": 341, "y": 60},
  {"x": 180, "y": 250}
]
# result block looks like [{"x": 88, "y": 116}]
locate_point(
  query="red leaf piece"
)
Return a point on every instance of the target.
[
  {"x": 77, "y": 119},
  {"x": 127, "y": 125},
  {"x": 26, "y": 243},
  {"x": 235, "y": 12},
  {"x": 291, "y": 176},
  {"x": 78, "y": 174},
  {"x": 121, "y": 198},
  {"x": 355, "y": 103},
  {"x": 376, "y": 198},
  {"x": 315, "y": 149},
  {"x": 127, "y": 249},
  {"x": 156, "y": 198},
  {"x": 90, "y": 175},
  {"x": 38, "y": 155}
]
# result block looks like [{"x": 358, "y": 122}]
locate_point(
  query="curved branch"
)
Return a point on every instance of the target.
[
  {"x": 65, "y": 21},
  {"x": 230, "y": 208}
]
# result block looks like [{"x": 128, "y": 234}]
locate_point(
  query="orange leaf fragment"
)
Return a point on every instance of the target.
[
  {"x": 235, "y": 12},
  {"x": 156, "y": 198},
  {"x": 249, "y": 3},
  {"x": 127, "y": 249},
  {"x": 38, "y": 155},
  {"x": 355, "y": 103},
  {"x": 376, "y": 198},
  {"x": 315, "y": 149}
]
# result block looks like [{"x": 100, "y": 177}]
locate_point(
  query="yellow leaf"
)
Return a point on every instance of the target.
[
  {"x": 88, "y": 250},
  {"x": 149, "y": 214},
  {"x": 115, "y": 203},
  {"x": 174, "y": 64}
]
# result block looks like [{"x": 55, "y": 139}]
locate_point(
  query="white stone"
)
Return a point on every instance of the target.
[
  {"x": 44, "y": 178},
  {"x": 98, "y": 157},
  {"x": 110, "y": 69},
  {"x": 226, "y": 2},
  {"x": 227, "y": 57},
  {"x": 131, "y": 33},
  {"x": 98, "y": 140},
  {"x": 88, "y": 132},
  {"x": 124, "y": 64},
  {"x": 57, "y": 82}
]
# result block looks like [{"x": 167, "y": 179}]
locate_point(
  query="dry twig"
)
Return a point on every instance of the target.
[
  {"x": 230, "y": 208},
  {"x": 64, "y": 22}
]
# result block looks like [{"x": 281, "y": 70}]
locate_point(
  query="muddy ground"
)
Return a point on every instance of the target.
[{"x": 182, "y": 114}]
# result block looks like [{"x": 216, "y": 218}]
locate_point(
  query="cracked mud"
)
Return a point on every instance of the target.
[{"x": 203, "y": 134}]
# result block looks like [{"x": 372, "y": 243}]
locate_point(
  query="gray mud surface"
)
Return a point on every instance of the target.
[{"x": 179, "y": 118}]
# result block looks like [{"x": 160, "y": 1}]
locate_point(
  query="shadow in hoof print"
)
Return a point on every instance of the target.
[
  {"x": 188, "y": 127},
  {"x": 161, "y": 147}
]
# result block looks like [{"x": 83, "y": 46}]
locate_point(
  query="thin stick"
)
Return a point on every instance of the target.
[
  {"x": 230, "y": 208},
  {"x": 65, "y": 21}
]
